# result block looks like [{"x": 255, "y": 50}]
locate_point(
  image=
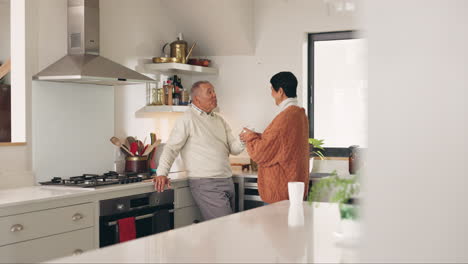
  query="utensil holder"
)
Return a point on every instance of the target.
[{"x": 136, "y": 164}]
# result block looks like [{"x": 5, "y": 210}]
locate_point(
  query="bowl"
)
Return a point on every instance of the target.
[{"x": 199, "y": 62}]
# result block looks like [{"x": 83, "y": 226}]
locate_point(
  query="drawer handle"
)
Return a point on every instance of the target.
[
  {"x": 77, "y": 217},
  {"x": 136, "y": 218},
  {"x": 78, "y": 252},
  {"x": 16, "y": 228}
]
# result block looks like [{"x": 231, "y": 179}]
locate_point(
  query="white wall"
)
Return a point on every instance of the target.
[
  {"x": 134, "y": 31},
  {"x": 416, "y": 184},
  {"x": 219, "y": 27},
  {"x": 50, "y": 32},
  {"x": 243, "y": 82},
  {"x": 243, "y": 85}
]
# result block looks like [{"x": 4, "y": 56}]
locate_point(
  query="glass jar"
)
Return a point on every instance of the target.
[
  {"x": 149, "y": 95},
  {"x": 160, "y": 96},
  {"x": 184, "y": 100}
]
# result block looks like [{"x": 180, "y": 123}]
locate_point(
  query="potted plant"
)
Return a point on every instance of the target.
[
  {"x": 343, "y": 191},
  {"x": 316, "y": 149}
]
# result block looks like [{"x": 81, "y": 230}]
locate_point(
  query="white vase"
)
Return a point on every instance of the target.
[{"x": 311, "y": 164}]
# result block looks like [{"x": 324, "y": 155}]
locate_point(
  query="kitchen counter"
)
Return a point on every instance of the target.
[
  {"x": 273, "y": 233},
  {"x": 18, "y": 196},
  {"x": 42, "y": 193}
]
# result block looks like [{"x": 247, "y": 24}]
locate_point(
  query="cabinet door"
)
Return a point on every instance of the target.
[
  {"x": 43, "y": 249},
  {"x": 183, "y": 198},
  {"x": 38, "y": 224},
  {"x": 186, "y": 216}
]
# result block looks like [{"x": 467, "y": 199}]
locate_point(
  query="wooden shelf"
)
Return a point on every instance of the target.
[
  {"x": 164, "y": 109},
  {"x": 10, "y": 144},
  {"x": 180, "y": 68}
]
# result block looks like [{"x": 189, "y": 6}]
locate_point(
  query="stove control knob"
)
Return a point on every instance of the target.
[{"x": 120, "y": 207}]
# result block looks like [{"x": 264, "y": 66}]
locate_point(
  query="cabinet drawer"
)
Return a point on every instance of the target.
[
  {"x": 183, "y": 198},
  {"x": 37, "y": 224},
  {"x": 42, "y": 249},
  {"x": 186, "y": 216}
]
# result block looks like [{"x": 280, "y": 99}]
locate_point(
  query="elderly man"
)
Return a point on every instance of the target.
[{"x": 205, "y": 141}]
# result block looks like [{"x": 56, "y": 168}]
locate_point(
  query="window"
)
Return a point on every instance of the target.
[{"x": 337, "y": 95}]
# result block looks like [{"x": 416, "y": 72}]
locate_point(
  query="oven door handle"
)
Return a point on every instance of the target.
[{"x": 136, "y": 218}]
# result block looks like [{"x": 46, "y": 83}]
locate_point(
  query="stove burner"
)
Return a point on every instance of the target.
[{"x": 95, "y": 180}]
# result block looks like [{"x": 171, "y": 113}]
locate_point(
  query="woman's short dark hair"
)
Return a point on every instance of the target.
[{"x": 287, "y": 81}]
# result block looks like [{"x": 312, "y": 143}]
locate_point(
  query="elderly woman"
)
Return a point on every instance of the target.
[{"x": 282, "y": 151}]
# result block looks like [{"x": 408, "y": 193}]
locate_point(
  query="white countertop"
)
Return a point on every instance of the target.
[
  {"x": 272, "y": 233},
  {"x": 42, "y": 193},
  {"x": 17, "y": 196}
]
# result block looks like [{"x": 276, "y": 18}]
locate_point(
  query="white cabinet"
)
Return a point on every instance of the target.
[
  {"x": 42, "y": 249},
  {"x": 33, "y": 225},
  {"x": 44, "y": 234},
  {"x": 186, "y": 212},
  {"x": 186, "y": 216},
  {"x": 183, "y": 198}
]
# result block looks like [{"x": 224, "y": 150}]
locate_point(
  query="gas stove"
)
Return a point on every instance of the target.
[{"x": 95, "y": 180}]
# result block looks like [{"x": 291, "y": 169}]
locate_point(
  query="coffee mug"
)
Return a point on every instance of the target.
[{"x": 296, "y": 192}]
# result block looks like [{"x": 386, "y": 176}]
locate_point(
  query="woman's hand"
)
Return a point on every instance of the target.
[{"x": 246, "y": 134}]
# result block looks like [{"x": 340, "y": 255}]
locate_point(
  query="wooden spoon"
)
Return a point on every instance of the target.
[
  {"x": 130, "y": 140},
  {"x": 150, "y": 148},
  {"x": 190, "y": 51},
  {"x": 117, "y": 142}
]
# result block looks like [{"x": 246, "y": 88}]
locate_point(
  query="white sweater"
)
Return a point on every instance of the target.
[{"x": 204, "y": 141}]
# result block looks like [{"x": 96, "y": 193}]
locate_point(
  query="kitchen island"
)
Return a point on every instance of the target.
[
  {"x": 273, "y": 233},
  {"x": 69, "y": 217}
]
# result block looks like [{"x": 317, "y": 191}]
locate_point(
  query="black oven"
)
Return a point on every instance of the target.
[{"x": 153, "y": 213}]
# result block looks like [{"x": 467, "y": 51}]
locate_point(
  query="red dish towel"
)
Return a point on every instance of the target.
[{"x": 127, "y": 229}]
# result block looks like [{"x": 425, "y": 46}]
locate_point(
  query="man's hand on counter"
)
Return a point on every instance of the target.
[{"x": 160, "y": 182}]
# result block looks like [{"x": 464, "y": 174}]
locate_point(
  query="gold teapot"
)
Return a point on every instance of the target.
[{"x": 179, "y": 49}]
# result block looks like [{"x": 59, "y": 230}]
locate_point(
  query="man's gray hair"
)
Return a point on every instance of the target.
[{"x": 196, "y": 87}]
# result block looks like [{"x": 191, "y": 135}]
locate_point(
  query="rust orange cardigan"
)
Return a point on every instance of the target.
[{"x": 282, "y": 154}]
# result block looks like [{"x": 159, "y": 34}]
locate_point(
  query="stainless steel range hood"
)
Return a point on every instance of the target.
[{"x": 83, "y": 63}]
